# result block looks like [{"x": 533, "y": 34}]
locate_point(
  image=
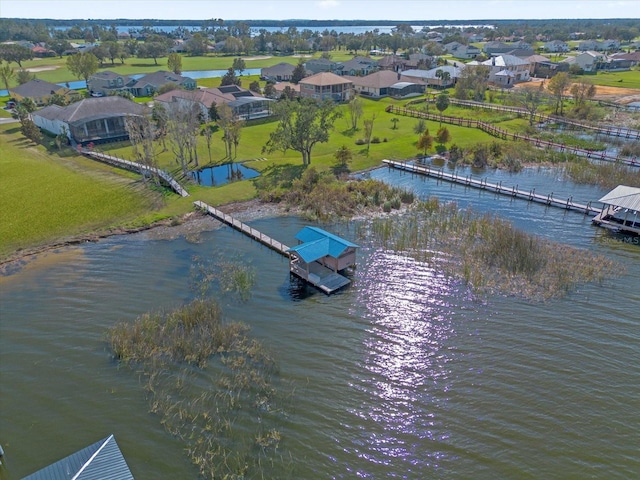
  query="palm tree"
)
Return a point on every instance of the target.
[{"x": 7, "y": 74}]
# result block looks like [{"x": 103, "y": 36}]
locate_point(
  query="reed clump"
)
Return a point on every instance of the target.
[
  {"x": 321, "y": 196},
  {"x": 212, "y": 386},
  {"x": 487, "y": 253},
  {"x": 606, "y": 175}
]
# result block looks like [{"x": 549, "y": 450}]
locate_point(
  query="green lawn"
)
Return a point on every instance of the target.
[
  {"x": 628, "y": 79},
  {"x": 46, "y": 197}
]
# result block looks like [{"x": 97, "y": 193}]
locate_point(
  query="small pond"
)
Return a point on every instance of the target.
[{"x": 221, "y": 174}]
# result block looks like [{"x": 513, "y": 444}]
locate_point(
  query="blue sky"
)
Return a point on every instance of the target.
[{"x": 320, "y": 9}]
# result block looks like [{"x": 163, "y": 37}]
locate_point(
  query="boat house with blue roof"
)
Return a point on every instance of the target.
[
  {"x": 100, "y": 461},
  {"x": 320, "y": 256}
]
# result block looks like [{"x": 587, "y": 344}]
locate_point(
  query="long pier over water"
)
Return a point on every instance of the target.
[
  {"x": 251, "y": 232},
  {"x": 482, "y": 184}
]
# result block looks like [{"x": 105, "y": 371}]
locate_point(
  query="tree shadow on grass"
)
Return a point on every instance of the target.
[{"x": 278, "y": 176}]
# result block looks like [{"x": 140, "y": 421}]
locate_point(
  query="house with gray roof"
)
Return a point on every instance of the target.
[
  {"x": 282, "y": 72},
  {"x": 149, "y": 84},
  {"x": 556, "y": 46},
  {"x": 378, "y": 84},
  {"x": 108, "y": 83},
  {"x": 317, "y": 65},
  {"x": 433, "y": 78},
  {"x": 100, "y": 461},
  {"x": 359, "y": 66},
  {"x": 92, "y": 120},
  {"x": 40, "y": 92},
  {"x": 244, "y": 103},
  {"x": 507, "y": 70}
]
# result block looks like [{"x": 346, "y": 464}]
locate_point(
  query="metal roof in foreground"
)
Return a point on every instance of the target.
[
  {"x": 623, "y": 196},
  {"x": 101, "y": 461}
]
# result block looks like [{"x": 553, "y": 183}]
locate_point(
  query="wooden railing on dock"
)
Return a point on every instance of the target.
[
  {"x": 506, "y": 135},
  {"x": 136, "y": 167},
  {"x": 251, "y": 232},
  {"x": 483, "y": 184}
]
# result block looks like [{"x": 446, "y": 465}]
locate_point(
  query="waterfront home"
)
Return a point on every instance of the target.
[
  {"x": 40, "y": 92},
  {"x": 282, "y": 72},
  {"x": 108, "y": 83},
  {"x": 244, "y": 103},
  {"x": 326, "y": 86},
  {"x": 621, "y": 210},
  {"x": 101, "y": 460},
  {"x": 92, "y": 120},
  {"x": 378, "y": 84},
  {"x": 149, "y": 84}
]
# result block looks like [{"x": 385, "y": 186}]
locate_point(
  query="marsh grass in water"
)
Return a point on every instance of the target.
[
  {"x": 486, "y": 252},
  {"x": 211, "y": 386},
  {"x": 230, "y": 275},
  {"x": 606, "y": 175}
]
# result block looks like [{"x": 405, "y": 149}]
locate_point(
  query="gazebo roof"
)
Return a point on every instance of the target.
[
  {"x": 624, "y": 197},
  {"x": 318, "y": 243}
]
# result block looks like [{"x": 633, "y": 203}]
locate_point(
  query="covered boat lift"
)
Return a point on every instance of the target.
[
  {"x": 320, "y": 256},
  {"x": 621, "y": 210}
]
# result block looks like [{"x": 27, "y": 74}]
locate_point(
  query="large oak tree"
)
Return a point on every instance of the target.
[{"x": 301, "y": 124}]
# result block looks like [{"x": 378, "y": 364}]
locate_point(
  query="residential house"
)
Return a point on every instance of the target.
[
  {"x": 108, "y": 83},
  {"x": 433, "y": 78},
  {"x": 244, "y": 103},
  {"x": 92, "y": 120},
  {"x": 467, "y": 52},
  {"x": 556, "y": 46},
  {"x": 496, "y": 48},
  {"x": 40, "y": 92},
  {"x": 317, "y": 65},
  {"x": 326, "y": 86},
  {"x": 103, "y": 459},
  {"x": 587, "y": 61},
  {"x": 599, "y": 46},
  {"x": 633, "y": 57},
  {"x": 378, "y": 84},
  {"x": 282, "y": 72},
  {"x": 507, "y": 70},
  {"x": 521, "y": 52},
  {"x": 392, "y": 62},
  {"x": 543, "y": 67},
  {"x": 149, "y": 84},
  {"x": 452, "y": 47},
  {"x": 359, "y": 66},
  {"x": 419, "y": 60},
  {"x": 281, "y": 86},
  {"x": 40, "y": 51}
]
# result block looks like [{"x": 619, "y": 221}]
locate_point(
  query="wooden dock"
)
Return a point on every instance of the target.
[
  {"x": 507, "y": 135},
  {"x": 250, "y": 232},
  {"x": 136, "y": 167},
  {"x": 320, "y": 277},
  {"x": 483, "y": 184}
]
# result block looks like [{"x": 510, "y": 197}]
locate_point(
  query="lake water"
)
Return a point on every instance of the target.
[{"x": 402, "y": 375}]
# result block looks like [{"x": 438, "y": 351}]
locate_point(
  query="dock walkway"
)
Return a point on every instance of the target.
[
  {"x": 251, "y": 232},
  {"x": 136, "y": 167},
  {"x": 483, "y": 184},
  {"x": 320, "y": 277}
]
